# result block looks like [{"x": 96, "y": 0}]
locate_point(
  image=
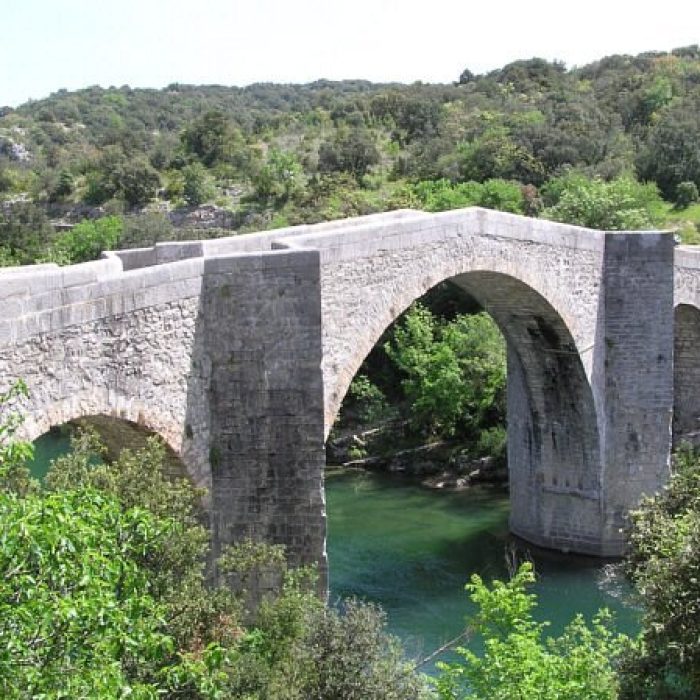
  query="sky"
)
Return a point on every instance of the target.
[{"x": 46, "y": 45}]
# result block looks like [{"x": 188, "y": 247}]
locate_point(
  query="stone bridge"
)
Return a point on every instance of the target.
[{"x": 238, "y": 352}]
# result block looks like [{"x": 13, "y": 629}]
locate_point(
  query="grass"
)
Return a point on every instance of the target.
[{"x": 686, "y": 221}]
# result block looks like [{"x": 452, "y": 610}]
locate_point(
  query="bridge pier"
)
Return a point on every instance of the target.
[{"x": 260, "y": 322}]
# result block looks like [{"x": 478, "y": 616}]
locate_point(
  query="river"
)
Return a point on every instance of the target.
[{"x": 411, "y": 549}]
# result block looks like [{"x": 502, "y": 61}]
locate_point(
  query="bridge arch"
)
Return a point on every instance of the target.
[
  {"x": 554, "y": 451},
  {"x": 111, "y": 412},
  {"x": 686, "y": 374}
]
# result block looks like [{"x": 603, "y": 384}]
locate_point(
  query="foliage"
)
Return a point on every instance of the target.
[
  {"x": 663, "y": 563},
  {"x": 517, "y": 662},
  {"x": 212, "y": 138},
  {"x": 286, "y": 155},
  {"x": 366, "y": 399},
  {"x": 80, "y": 613},
  {"x": 14, "y": 476},
  {"x": 672, "y": 152},
  {"x": 25, "y": 232},
  {"x": 454, "y": 373},
  {"x": 197, "y": 186},
  {"x": 86, "y": 240},
  {"x": 117, "y": 174},
  {"x": 279, "y": 179},
  {"x": 619, "y": 205},
  {"x": 686, "y": 194},
  {"x": 340, "y": 648},
  {"x": 441, "y": 195},
  {"x": 77, "y": 617},
  {"x": 103, "y": 594},
  {"x": 146, "y": 229},
  {"x": 352, "y": 151}
]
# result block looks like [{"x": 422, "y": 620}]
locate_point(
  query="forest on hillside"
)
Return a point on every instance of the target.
[{"x": 614, "y": 144}]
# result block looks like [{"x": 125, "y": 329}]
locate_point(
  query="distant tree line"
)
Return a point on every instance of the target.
[{"x": 306, "y": 153}]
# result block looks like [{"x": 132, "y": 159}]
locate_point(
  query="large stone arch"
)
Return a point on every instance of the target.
[
  {"x": 363, "y": 294},
  {"x": 554, "y": 450}
]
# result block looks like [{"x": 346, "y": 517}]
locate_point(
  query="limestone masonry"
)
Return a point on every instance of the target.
[{"x": 238, "y": 351}]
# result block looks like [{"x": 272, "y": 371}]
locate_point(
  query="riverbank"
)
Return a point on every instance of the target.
[{"x": 439, "y": 464}]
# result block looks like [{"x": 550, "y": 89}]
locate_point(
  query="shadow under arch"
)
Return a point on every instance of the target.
[
  {"x": 686, "y": 375},
  {"x": 554, "y": 451}
]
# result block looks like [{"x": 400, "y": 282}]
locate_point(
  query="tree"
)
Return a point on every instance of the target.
[
  {"x": 117, "y": 175},
  {"x": 212, "y": 138},
  {"x": 454, "y": 373},
  {"x": 672, "y": 152},
  {"x": 663, "y": 563},
  {"x": 79, "y": 613},
  {"x": 103, "y": 593},
  {"x": 619, "y": 205},
  {"x": 518, "y": 662},
  {"x": 77, "y": 616},
  {"x": 279, "y": 179},
  {"x": 25, "y": 231},
  {"x": 353, "y": 151},
  {"x": 86, "y": 240},
  {"x": 197, "y": 184},
  {"x": 137, "y": 181},
  {"x": 686, "y": 194}
]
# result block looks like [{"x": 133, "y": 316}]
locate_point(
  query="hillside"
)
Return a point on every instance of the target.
[{"x": 271, "y": 155}]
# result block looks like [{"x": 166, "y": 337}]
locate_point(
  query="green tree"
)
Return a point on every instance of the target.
[
  {"x": 663, "y": 563},
  {"x": 280, "y": 179},
  {"x": 454, "y": 373},
  {"x": 197, "y": 185},
  {"x": 77, "y": 617},
  {"x": 86, "y": 240},
  {"x": 686, "y": 194},
  {"x": 137, "y": 181},
  {"x": 212, "y": 138},
  {"x": 672, "y": 152},
  {"x": 118, "y": 175},
  {"x": 353, "y": 151},
  {"x": 618, "y": 205},
  {"x": 79, "y": 613},
  {"x": 518, "y": 663},
  {"x": 25, "y": 231}
]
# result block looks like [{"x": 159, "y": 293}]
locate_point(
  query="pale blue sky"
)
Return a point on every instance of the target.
[{"x": 50, "y": 44}]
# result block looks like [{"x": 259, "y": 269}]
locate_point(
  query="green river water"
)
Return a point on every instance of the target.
[{"x": 411, "y": 549}]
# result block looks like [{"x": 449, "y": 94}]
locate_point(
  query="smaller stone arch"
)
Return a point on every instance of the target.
[
  {"x": 40, "y": 416},
  {"x": 686, "y": 374},
  {"x": 101, "y": 406}
]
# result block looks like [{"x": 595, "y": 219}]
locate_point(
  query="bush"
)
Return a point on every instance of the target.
[
  {"x": 453, "y": 373},
  {"x": 518, "y": 662},
  {"x": 86, "y": 240},
  {"x": 664, "y": 565},
  {"x": 622, "y": 204},
  {"x": 367, "y": 400},
  {"x": 686, "y": 194}
]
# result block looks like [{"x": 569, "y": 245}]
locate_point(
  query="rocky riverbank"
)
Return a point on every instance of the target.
[{"x": 440, "y": 464}]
